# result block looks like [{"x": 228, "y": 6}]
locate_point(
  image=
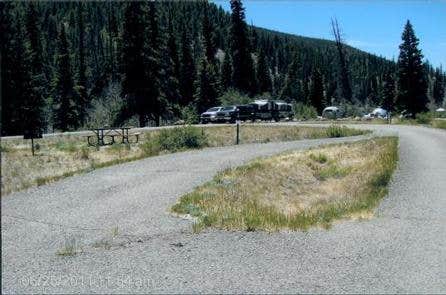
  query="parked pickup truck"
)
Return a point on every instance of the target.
[
  {"x": 246, "y": 112},
  {"x": 227, "y": 114}
]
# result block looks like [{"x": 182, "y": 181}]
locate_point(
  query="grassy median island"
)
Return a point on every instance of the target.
[
  {"x": 66, "y": 155},
  {"x": 296, "y": 190}
]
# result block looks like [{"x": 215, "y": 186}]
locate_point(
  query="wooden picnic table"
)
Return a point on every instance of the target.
[{"x": 101, "y": 133}]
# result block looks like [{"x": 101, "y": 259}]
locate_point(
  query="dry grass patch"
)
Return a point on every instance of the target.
[
  {"x": 296, "y": 190},
  {"x": 439, "y": 123},
  {"x": 225, "y": 135},
  {"x": 66, "y": 155}
]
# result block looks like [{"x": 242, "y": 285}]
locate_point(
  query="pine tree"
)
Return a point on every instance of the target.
[
  {"x": 112, "y": 28},
  {"x": 412, "y": 84},
  {"x": 50, "y": 46},
  {"x": 153, "y": 104},
  {"x": 81, "y": 73},
  {"x": 107, "y": 28},
  {"x": 172, "y": 49},
  {"x": 34, "y": 37},
  {"x": 330, "y": 91},
  {"x": 305, "y": 91},
  {"x": 316, "y": 95},
  {"x": 291, "y": 90},
  {"x": 34, "y": 102},
  {"x": 388, "y": 93},
  {"x": 187, "y": 71},
  {"x": 133, "y": 63},
  {"x": 242, "y": 66},
  {"x": 206, "y": 95},
  {"x": 372, "y": 91},
  {"x": 438, "y": 90},
  {"x": 226, "y": 73},
  {"x": 65, "y": 108},
  {"x": 344, "y": 89},
  {"x": 9, "y": 60},
  {"x": 18, "y": 92},
  {"x": 263, "y": 75},
  {"x": 207, "y": 31},
  {"x": 170, "y": 71},
  {"x": 254, "y": 38}
]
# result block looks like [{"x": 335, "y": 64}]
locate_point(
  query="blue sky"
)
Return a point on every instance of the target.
[{"x": 373, "y": 26}]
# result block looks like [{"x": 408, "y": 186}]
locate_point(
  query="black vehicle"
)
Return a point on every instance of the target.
[
  {"x": 227, "y": 114},
  {"x": 266, "y": 110},
  {"x": 246, "y": 112}
]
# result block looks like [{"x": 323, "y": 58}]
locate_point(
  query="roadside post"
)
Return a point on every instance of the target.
[
  {"x": 237, "y": 140},
  {"x": 31, "y": 134}
]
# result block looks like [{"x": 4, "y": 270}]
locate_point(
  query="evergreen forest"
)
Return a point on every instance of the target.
[{"x": 77, "y": 65}]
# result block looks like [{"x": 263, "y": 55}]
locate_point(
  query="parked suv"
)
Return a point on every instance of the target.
[{"x": 210, "y": 115}]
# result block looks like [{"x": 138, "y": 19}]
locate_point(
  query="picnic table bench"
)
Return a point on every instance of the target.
[{"x": 102, "y": 134}]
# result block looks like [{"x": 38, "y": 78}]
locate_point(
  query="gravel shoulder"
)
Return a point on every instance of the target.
[{"x": 131, "y": 243}]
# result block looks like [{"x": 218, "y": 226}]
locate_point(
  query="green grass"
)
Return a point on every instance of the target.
[
  {"x": 67, "y": 146},
  {"x": 320, "y": 158},
  {"x": 70, "y": 248},
  {"x": 332, "y": 171},
  {"x": 4, "y": 149},
  {"x": 342, "y": 131},
  {"x": 229, "y": 202}
]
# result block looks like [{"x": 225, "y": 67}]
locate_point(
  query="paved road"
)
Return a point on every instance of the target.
[{"x": 119, "y": 218}]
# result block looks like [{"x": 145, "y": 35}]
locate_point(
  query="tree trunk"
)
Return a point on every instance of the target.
[{"x": 142, "y": 120}]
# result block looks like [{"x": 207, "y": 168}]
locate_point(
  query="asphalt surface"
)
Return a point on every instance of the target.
[{"x": 128, "y": 242}]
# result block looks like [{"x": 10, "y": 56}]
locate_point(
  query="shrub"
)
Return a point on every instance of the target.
[
  {"x": 341, "y": 131},
  {"x": 304, "y": 112},
  {"x": 264, "y": 96},
  {"x": 4, "y": 149},
  {"x": 84, "y": 153},
  {"x": 336, "y": 131},
  {"x": 332, "y": 171},
  {"x": 150, "y": 147},
  {"x": 181, "y": 138},
  {"x": 320, "y": 158},
  {"x": 233, "y": 97},
  {"x": 423, "y": 118},
  {"x": 352, "y": 110},
  {"x": 189, "y": 115}
]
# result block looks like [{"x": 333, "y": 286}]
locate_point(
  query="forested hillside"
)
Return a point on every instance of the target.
[{"x": 72, "y": 65}]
